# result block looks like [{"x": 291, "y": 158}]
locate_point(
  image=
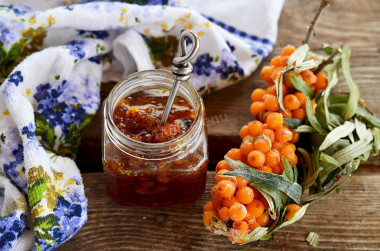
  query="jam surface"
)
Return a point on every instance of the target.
[{"x": 139, "y": 118}]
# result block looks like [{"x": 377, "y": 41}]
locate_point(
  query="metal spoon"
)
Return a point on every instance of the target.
[{"x": 181, "y": 69}]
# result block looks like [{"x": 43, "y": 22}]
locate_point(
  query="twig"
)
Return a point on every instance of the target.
[
  {"x": 313, "y": 23},
  {"x": 327, "y": 61}
]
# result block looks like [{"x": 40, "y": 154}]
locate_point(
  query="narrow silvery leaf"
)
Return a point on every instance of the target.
[
  {"x": 305, "y": 129},
  {"x": 299, "y": 55},
  {"x": 361, "y": 129},
  {"x": 368, "y": 117},
  {"x": 312, "y": 119},
  {"x": 293, "y": 190},
  {"x": 255, "y": 235},
  {"x": 332, "y": 81},
  {"x": 292, "y": 122},
  {"x": 313, "y": 239},
  {"x": 353, "y": 100},
  {"x": 296, "y": 217},
  {"x": 279, "y": 93},
  {"x": 274, "y": 199},
  {"x": 327, "y": 158},
  {"x": 288, "y": 170},
  {"x": 306, "y": 65},
  {"x": 338, "y": 133}
]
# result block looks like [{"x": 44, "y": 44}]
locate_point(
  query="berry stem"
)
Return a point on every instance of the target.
[
  {"x": 327, "y": 61},
  {"x": 311, "y": 31}
]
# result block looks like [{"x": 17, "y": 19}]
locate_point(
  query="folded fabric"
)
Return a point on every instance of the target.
[{"x": 53, "y": 58}]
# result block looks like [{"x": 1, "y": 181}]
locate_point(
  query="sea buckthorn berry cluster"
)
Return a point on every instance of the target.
[
  {"x": 235, "y": 202},
  {"x": 265, "y": 142},
  {"x": 265, "y": 101}
]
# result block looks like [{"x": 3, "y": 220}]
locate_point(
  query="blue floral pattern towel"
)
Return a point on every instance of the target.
[{"x": 54, "y": 56}]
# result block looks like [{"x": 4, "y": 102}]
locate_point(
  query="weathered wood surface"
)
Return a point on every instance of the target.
[
  {"x": 345, "y": 21},
  {"x": 348, "y": 220}
]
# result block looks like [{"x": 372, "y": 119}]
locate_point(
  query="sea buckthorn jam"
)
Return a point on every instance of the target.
[{"x": 147, "y": 164}]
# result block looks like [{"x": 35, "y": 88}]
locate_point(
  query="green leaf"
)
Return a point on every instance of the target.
[
  {"x": 368, "y": 117},
  {"x": 312, "y": 119},
  {"x": 305, "y": 129},
  {"x": 293, "y": 190},
  {"x": 332, "y": 81},
  {"x": 330, "y": 177},
  {"x": 288, "y": 170},
  {"x": 353, "y": 100},
  {"x": 313, "y": 239},
  {"x": 273, "y": 196},
  {"x": 338, "y": 133},
  {"x": 45, "y": 131},
  {"x": 328, "y": 159},
  {"x": 46, "y": 222},
  {"x": 360, "y": 128},
  {"x": 301, "y": 86},
  {"x": 279, "y": 93},
  {"x": 376, "y": 141},
  {"x": 328, "y": 48},
  {"x": 293, "y": 123},
  {"x": 36, "y": 191}
]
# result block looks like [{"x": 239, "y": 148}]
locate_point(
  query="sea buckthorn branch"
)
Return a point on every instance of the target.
[
  {"x": 328, "y": 60},
  {"x": 311, "y": 29}
]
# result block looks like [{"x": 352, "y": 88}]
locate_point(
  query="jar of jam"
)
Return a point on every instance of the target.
[{"x": 145, "y": 163}]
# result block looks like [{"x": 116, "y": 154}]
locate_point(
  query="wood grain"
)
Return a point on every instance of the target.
[
  {"x": 350, "y": 22},
  {"x": 348, "y": 221}
]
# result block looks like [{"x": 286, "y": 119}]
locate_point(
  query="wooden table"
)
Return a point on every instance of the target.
[
  {"x": 348, "y": 220},
  {"x": 344, "y": 221}
]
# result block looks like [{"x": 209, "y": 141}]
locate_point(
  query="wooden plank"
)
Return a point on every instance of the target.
[
  {"x": 344, "y": 221},
  {"x": 345, "y": 21}
]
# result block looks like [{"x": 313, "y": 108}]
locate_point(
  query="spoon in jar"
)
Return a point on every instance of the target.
[{"x": 181, "y": 69}]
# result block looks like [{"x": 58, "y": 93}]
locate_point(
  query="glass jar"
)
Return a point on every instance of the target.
[{"x": 154, "y": 174}]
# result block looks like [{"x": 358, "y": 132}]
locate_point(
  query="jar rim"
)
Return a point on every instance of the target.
[{"x": 144, "y": 147}]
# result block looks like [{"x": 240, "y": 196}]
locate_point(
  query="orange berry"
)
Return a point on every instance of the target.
[
  {"x": 252, "y": 226},
  {"x": 207, "y": 217},
  {"x": 255, "y": 208},
  {"x": 263, "y": 220},
  {"x": 247, "y": 138},
  {"x": 291, "y": 210},
  {"x": 235, "y": 154},
  {"x": 228, "y": 202},
  {"x": 272, "y": 158},
  {"x": 240, "y": 226},
  {"x": 288, "y": 152},
  {"x": 222, "y": 165},
  {"x": 266, "y": 73},
  {"x": 257, "y": 107},
  {"x": 291, "y": 102},
  {"x": 309, "y": 77},
  {"x": 265, "y": 169},
  {"x": 208, "y": 207},
  {"x": 271, "y": 90},
  {"x": 271, "y": 103},
  {"x": 257, "y": 95},
  {"x": 276, "y": 169},
  {"x": 238, "y": 212},
  {"x": 224, "y": 214},
  {"x": 288, "y": 82},
  {"x": 269, "y": 133},
  {"x": 296, "y": 137},
  {"x": 277, "y": 146},
  {"x": 218, "y": 178},
  {"x": 263, "y": 116},
  {"x": 216, "y": 198},
  {"x": 226, "y": 188},
  {"x": 288, "y": 50},
  {"x": 241, "y": 182},
  {"x": 265, "y": 202},
  {"x": 255, "y": 128},
  {"x": 274, "y": 120},
  {"x": 277, "y": 73},
  {"x": 286, "y": 113},
  {"x": 262, "y": 145},
  {"x": 245, "y": 195},
  {"x": 279, "y": 61},
  {"x": 301, "y": 98},
  {"x": 283, "y": 134},
  {"x": 257, "y": 193},
  {"x": 292, "y": 146},
  {"x": 247, "y": 147},
  {"x": 244, "y": 131},
  {"x": 299, "y": 114},
  {"x": 322, "y": 80},
  {"x": 256, "y": 158}
]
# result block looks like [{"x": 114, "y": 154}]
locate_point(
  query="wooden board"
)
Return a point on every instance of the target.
[
  {"x": 345, "y": 21},
  {"x": 348, "y": 220}
]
